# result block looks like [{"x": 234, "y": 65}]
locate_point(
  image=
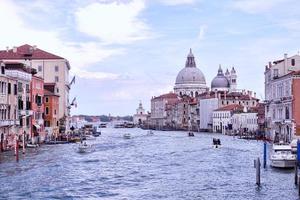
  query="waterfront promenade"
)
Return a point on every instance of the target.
[{"x": 167, "y": 165}]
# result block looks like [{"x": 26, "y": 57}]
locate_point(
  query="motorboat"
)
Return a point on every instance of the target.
[
  {"x": 28, "y": 145},
  {"x": 282, "y": 157},
  {"x": 84, "y": 148},
  {"x": 216, "y": 142},
  {"x": 293, "y": 145},
  {"x": 90, "y": 137},
  {"x": 191, "y": 134},
  {"x": 127, "y": 136}
]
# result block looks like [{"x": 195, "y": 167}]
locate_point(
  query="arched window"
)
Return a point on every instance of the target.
[
  {"x": 196, "y": 94},
  {"x": 192, "y": 94}
]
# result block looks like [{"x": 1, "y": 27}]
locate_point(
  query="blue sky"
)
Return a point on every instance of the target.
[{"x": 125, "y": 51}]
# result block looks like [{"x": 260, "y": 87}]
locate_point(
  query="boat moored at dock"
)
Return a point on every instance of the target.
[{"x": 282, "y": 157}]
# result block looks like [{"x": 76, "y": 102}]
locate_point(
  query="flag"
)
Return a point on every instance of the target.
[{"x": 72, "y": 81}]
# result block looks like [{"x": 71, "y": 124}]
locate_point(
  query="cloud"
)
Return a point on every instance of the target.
[
  {"x": 256, "y": 6},
  {"x": 202, "y": 32},
  {"x": 79, "y": 53},
  {"x": 177, "y": 2},
  {"x": 114, "y": 22},
  {"x": 96, "y": 75}
]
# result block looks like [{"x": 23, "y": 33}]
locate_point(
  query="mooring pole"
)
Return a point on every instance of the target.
[
  {"x": 296, "y": 174},
  {"x": 265, "y": 154},
  {"x": 17, "y": 150},
  {"x": 257, "y": 166},
  {"x": 23, "y": 143}
]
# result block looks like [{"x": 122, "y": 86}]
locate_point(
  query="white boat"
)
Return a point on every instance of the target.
[
  {"x": 127, "y": 136},
  {"x": 282, "y": 157},
  {"x": 84, "y": 148},
  {"x": 294, "y": 145},
  {"x": 32, "y": 145},
  {"x": 90, "y": 137}
]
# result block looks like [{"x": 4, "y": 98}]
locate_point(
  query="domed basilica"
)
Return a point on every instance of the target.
[{"x": 190, "y": 81}]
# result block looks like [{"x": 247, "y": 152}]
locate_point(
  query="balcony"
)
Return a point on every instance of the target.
[
  {"x": 25, "y": 112},
  {"x": 9, "y": 122}
]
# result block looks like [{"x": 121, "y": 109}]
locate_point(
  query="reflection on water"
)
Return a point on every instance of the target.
[{"x": 167, "y": 165}]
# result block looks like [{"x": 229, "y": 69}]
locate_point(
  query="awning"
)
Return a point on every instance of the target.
[{"x": 37, "y": 126}]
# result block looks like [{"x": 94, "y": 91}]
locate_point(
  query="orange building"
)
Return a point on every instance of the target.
[
  {"x": 296, "y": 101},
  {"x": 37, "y": 106},
  {"x": 51, "y": 114}
]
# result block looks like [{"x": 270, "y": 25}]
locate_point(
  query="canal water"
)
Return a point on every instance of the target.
[{"x": 167, "y": 165}]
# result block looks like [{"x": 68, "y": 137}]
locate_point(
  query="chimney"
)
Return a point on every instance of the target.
[
  {"x": 270, "y": 64},
  {"x": 254, "y": 94},
  {"x": 285, "y": 64},
  {"x": 15, "y": 49},
  {"x": 7, "y": 48}
]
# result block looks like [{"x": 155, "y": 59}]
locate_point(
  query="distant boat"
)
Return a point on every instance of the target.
[
  {"x": 150, "y": 132},
  {"x": 84, "y": 148},
  {"x": 282, "y": 157},
  {"x": 103, "y": 125},
  {"x": 127, "y": 136},
  {"x": 28, "y": 145},
  {"x": 216, "y": 142},
  {"x": 191, "y": 134}
]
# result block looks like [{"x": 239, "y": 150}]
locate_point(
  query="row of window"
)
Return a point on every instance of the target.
[
  {"x": 40, "y": 68},
  {"x": 239, "y": 102},
  {"x": 280, "y": 115}
]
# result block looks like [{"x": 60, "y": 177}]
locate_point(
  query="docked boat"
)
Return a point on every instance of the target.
[
  {"x": 28, "y": 145},
  {"x": 127, "y": 136},
  {"x": 282, "y": 156}
]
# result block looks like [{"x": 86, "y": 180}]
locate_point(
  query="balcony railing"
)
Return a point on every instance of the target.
[{"x": 9, "y": 122}]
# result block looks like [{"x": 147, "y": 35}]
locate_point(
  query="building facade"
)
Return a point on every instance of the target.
[
  {"x": 50, "y": 67},
  {"x": 140, "y": 116},
  {"x": 51, "y": 112},
  {"x": 159, "y": 109},
  {"x": 281, "y": 93},
  {"x": 37, "y": 106}
]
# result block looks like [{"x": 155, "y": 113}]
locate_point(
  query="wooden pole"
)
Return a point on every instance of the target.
[
  {"x": 296, "y": 174},
  {"x": 258, "y": 172},
  {"x": 299, "y": 186},
  {"x": 23, "y": 143},
  {"x": 265, "y": 154},
  {"x": 17, "y": 150}
]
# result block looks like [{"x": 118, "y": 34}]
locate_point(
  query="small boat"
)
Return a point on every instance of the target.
[
  {"x": 282, "y": 157},
  {"x": 28, "y": 145},
  {"x": 191, "y": 134},
  {"x": 216, "y": 142},
  {"x": 97, "y": 134},
  {"x": 127, "y": 136},
  {"x": 84, "y": 148},
  {"x": 150, "y": 132},
  {"x": 90, "y": 137}
]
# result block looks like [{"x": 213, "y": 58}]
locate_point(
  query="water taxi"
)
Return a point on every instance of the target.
[{"x": 282, "y": 157}]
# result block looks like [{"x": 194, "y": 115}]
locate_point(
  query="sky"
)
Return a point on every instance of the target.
[{"x": 126, "y": 51}]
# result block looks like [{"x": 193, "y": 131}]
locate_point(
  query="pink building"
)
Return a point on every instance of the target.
[{"x": 37, "y": 106}]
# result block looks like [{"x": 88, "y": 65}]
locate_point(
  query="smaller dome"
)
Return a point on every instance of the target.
[{"x": 220, "y": 81}]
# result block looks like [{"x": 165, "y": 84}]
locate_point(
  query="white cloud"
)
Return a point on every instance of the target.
[
  {"x": 256, "y": 6},
  {"x": 177, "y": 2},
  {"x": 114, "y": 22},
  {"x": 202, "y": 31},
  {"x": 79, "y": 54},
  {"x": 96, "y": 75}
]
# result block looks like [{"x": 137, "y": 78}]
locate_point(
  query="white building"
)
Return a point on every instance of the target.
[
  {"x": 244, "y": 121},
  {"x": 190, "y": 80},
  {"x": 222, "y": 117},
  {"x": 281, "y": 97},
  {"x": 141, "y": 116},
  {"x": 206, "y": 108}
]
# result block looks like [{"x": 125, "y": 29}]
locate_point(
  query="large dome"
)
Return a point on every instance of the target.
[
  {"x": 220, "y": 81},
  {"x": 190, "y": 75},
  {"x": 190, "y": 80}
]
